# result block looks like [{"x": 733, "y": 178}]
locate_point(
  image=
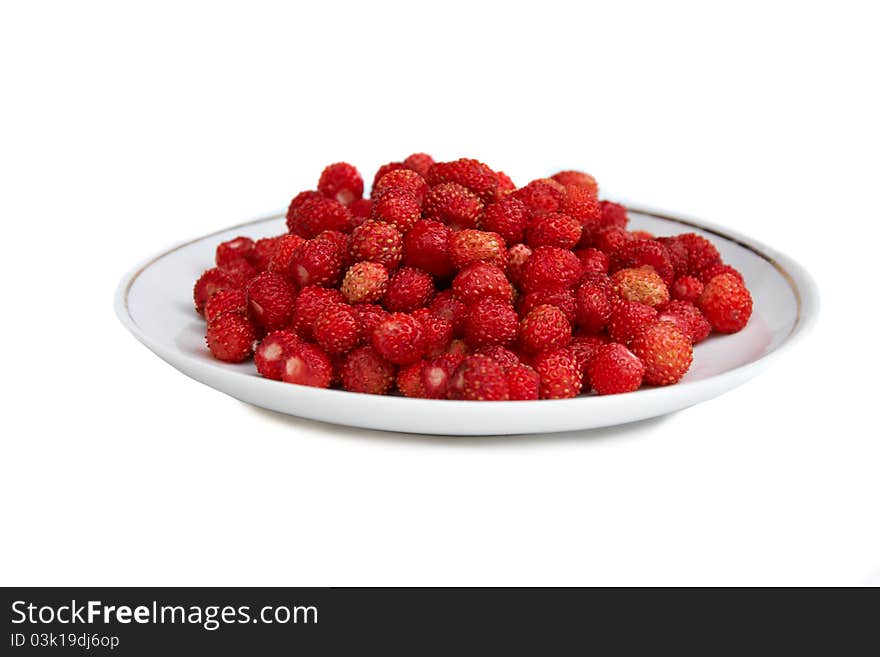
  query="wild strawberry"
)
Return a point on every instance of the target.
[
  {"x": 473, "y": 175},
  {"x": 226, "y": 301},
  {"x": 544, "y": 328},
  {"x": 550, "y": 267},
  {"x": 481, "y": 280},
  {"x": 701, "y": 252},
  {"x": 562, "y": 299},
  {"x": 469, "y": 246},
  {"x": 426, "y": 246},
  {"x": 577, "y": 179},
  {"x": 708, "y": 273},
  {"x": 337, "y": 329},
  {"x": 458, "y": 347},
  {"x": 297, "y": 202},
  {"x": 505, "y": 185},
  {"x": 542, "y": 195},
  {"x": 479, "y": 378},
  {"x": 272, "y": 353},
  {"x": 210, "y": 283},
  {"x": 638, "y": 253},
  {"x": 399, "y": 339},
  {"x": 403, "y": 180},
  {"x": 365, "y": 282},
  {"x": 360, "y": 209},
  {"x": 306, "y": 365},
  {"x": 339, "y": 241},
  {"x": 419, "y": 162},
  {"x": 408, "y": 289},
  {"x": 397, "y": 207},
  {"x": 726, "y": 303},
  {"x": 240, "y": 248},
  {"x": 553, "y": 229},
  {"x": 592, "y": 260},
  {"x": 628, "y": 318},
  {"x": 317, "y": 262},
  {"x": 612, "y": 214},
  {"x": 437, "y": 331},
  {"x": 614, "y": 369},
  {"x": 608, "y": 240},
  {"x": 678, "y": 254},
  {"x": 310, "y": 302},
  {"x": 686, "y": 288},
  {"x": 264, "y": 249},
  {"x": 517, "y": 256},
  {"x": 584, "y": 347},
  {"x": 643, "y": 285},
  {"x": 592, "y": 307},
  {"x": 285, "y": 248},
  {"x": 437, "y": 373},
  {"x": 665, "y": 351},
  {"x": 523, "y": 382},
  {"x": 271, "y": 299},
  {"x": 240, "y": 272},
  {"x": 380, "y": 173},
  {"x": 642, "y": 235},
  {"x": 447, "y": 307},
  {"x": 231, "y": 337},
  {"x": 687, "y": 317},
  {"x": 501, "y": 355},
  {"x": 560, "y": 375},
  {"x": 453, "y": 205},
  {"x": 318, "y": 214},
  {"x": 490, "y": 321},
  {"x": 508, "y": 217},
  {"x": 367, "y": 372},
  {"x": 581, "y": 204},
  {"x": 378, "y": 242},
  {"x": 409, "y": 380},
  {"x": 342, "y": 182},
  {"x": 370, "y": 316}
]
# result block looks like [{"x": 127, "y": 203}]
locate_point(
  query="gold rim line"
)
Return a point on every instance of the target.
[{"x": 647, "y": 213}]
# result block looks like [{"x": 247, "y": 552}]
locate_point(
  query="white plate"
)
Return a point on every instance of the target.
[{"x": 154, "y": 301}]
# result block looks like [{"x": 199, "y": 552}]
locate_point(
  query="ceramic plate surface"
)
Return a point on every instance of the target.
[{"x": 154, "y": 301}]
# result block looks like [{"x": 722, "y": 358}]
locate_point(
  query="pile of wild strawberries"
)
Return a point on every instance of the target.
[{"x": 450, "y": 282}]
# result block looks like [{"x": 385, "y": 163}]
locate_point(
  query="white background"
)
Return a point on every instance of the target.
[{"x": 128, "y": 127}]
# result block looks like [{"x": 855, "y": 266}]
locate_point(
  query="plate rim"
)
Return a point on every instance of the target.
[{"x": 801, "y": 283}]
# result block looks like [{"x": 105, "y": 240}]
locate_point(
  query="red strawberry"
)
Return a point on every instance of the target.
[
  {"x": 665, "y": 351},
  {"x": 523, "y": 382},
  {"x": 272, "y": 353},
  {"x": 481, "y": 280},
  {"x": 479, "y": 378},
  {"x": 577, "y": 179},
  {"x": 264, "y": 249},
  {"x": 447, "y": 307},
  {"x": 550, "y": 267},
  {"x": 542, "y": 195},
  {"x": 306, "y": 365},
  {"x": 612, "y": 214},
  {"x": 687, "y": 317},
  {"x": 342, "y": 182},
  {"x": 317, "y": 262},
  {"x": 517, "y": 256},
  {"x": 708, "y": 273},
  {"x": 544, "y": 328},
  {"x": 231, "y": 337},
  {"x": 365, "y": 282},
  {"x": 638, "y": 253},
  {"x": 426, "y": 246},
  {"x": 399, "y": 339},
  {"x": 285, "y": 247},
  {"x": 403, "y": 180},
  {"x": 370, "y": 316},
  {"x": 678, "y": 254},
  {"x": 473, "y": 175},
  {"x": 562, "y": 299},
  {"x": 643, "y": 285},
  {"x": 553, "y": 229},
  {"x": 397, "y": 207},
  {"x": 560, "y": 375},
  {"x": 614, "y": 369},
  {"x": 318, "y": 214},
  {"x": 310, "y": 303},
  {"x": 701, "y": 252},
  {"x": 501, "y": 355},
  {"x": 584, "y": 347},
  {"x": 409, "y": 380},
  {"x": 337, "y": 329},
  {"x": 628, "y": 318},
  {"x": 420, "y": 163},
  {"x": 507, "y": 217},
  {"x": 608, "y": 240},
  {"x": 686, "y": 288},
  {"x": 437, "y": 331},
  {"x": 469, "y": 246},
  {"x": 366, "y": 371},
  {"x": 240, "y": 248},
  {"x": 380, "y": 173},
  {"x": 378, "y": 242},
  {"x": 360, "y": 209},
  {"x": 592, "y": 261},
  {"x": 726, "y": 303},
  {"x": 408, "y": 289},
  {"x": 582, "y": 205},
  {"x": 298, "y": 201},
  {"x": 226, "y": 301},
  {"x": 453, "y": 205},
  {"x": 437, "y": 373},
  {"x": 505, "y": 185},
  {"x": 210, "y": 283},
  {"x": 271, "y": 300},
  {"x": 490, "y": 321},
  {"x": 592, "y": 307}
]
